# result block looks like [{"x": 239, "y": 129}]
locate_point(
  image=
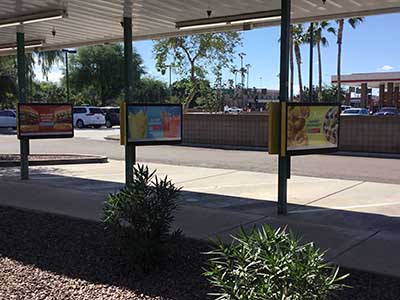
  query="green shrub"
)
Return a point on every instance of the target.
[
  {"x": 270, "y": 264},
  {"x": 140, "y": 216}
]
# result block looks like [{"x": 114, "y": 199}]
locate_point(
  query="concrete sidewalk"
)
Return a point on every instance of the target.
[{"x": 357, "y": 222}]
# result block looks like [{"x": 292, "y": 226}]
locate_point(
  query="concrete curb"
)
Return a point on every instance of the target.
[
  {"x": 85, "y": 159},
  {"x": 112, "y": 138},
  {"x": 368, "y": 154},
  {"x": 223, "y": 147}
]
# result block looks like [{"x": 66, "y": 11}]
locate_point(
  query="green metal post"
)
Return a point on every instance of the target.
[
  {"x": 283, "y": 97},
  {"x": 130, "y": 150},
  {"x": 24, "y": 143}
]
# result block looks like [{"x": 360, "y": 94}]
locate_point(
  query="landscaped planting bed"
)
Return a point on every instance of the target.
[{"x": 52, "y": 257}]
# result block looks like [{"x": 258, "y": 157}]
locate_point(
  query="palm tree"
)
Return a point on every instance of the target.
[
  {"x": 299, "y": 38},
  {"x": 321, "y": 40},
  {"x": 353, "y": 22},
  {"x": 291, "y": 64}
]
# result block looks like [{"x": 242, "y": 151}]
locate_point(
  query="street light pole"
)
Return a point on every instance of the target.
[
  {"x": 66, "y": 51},
  {"x": 248, "y": 75},
  {"x": 241, "y": 55}
]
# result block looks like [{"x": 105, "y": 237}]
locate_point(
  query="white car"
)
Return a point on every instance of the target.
[
  {"x": 233, "y": 110},
  {"x": 85, "y": 116},
  {"x": 355, "y": 112},
  {"x": 8, "y": 119}
]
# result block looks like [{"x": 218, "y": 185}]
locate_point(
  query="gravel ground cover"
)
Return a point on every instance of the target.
[{"x": 49, "y": 257}]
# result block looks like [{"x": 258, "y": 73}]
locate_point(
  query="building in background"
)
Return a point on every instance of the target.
[
  {"x": 361, "y": 88},
  {"x": 254, "y": 98}
]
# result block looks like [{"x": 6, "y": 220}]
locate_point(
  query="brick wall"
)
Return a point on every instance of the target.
[
  {"x": 370, "y": 134},
  {"x": 248, "y": 130},
  {"x": 365, "y": 134}
]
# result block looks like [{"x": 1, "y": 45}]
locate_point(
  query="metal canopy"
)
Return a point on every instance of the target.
[
  {"x": 98, "y": 21},
  {"x": 374, "y": 80}
]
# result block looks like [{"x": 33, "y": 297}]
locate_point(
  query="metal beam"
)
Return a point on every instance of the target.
[
  {"x": 130, "y": 150},
  {"x": 283, "y": 98},
  {"x": 24, "y": 142}
]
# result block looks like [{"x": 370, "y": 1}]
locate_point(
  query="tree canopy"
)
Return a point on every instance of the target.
[
  {"x": 8, "y": 82},
  {"x": 98, "y": 72},
  {"x": 192, "y": 56}
]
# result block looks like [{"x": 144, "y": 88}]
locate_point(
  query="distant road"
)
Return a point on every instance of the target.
[{"x": 329, "y": 166}]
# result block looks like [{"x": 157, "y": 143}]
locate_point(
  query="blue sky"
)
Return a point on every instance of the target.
[{"x": 374, "y": 46}]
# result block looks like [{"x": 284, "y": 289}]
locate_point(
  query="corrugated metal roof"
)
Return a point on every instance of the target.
[{"x": 98, "y": 21}]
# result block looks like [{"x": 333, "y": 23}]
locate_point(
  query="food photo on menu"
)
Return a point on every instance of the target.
[{"x": 312, "y": 127}]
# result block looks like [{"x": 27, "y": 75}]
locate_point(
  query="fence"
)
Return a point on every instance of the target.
[{"x": 363, "y": 134}]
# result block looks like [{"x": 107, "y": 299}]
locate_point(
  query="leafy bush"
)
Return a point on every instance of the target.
[
  {"x": 270, "y": 264},
  {"x": 140, "y": 216}
]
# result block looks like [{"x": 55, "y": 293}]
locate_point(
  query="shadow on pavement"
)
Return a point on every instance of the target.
[
  {"x": 15, "y": 172},
  {"x": 82, "y": 249}
]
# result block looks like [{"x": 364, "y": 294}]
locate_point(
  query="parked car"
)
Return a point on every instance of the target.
[
  {"x": 8, "y": 119},
  {"x": 355, "y": 112},
  {"x": 112, "y": 116},
  {"x": 86, "y": 116},
  {"x": 344, "y": 107},
  {"x": 388, "y": 111},
  {"x": 233, "y": 110}
]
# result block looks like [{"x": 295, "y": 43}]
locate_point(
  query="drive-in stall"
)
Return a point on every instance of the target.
[{"x": 36, "y": 25}]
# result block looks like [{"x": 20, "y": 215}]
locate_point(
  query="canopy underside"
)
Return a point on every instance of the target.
[{"x": 99, "y": 21}]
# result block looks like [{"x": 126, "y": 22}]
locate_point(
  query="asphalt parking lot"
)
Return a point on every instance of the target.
[{"x": 91, "y": 141}]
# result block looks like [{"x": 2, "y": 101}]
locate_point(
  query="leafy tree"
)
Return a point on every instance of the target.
[
  {"x": 183, "y": 87},
  {"x": 8, "y": 75},
  {"x": 193, "y": 54},
  {"x": 47, "y": 92},
  {"x": 328, "y": 94},
  {"x": 353, "y": 22},
  {"x": 100, "y": 70},
  {"x": 152, "y": 90},
  {"x": 45, "y": 60},
  {"x": 8, "y": 82}
]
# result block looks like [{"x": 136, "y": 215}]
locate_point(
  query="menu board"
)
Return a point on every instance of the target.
[
  {"x": 154, "y": 123},
  {"x": 312, "y": 127},
  {"x": 38, "y": 121}
]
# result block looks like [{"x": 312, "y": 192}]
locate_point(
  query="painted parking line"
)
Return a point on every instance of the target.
[
  {"x": 335, "y": 193},
  {"x": 311, "y": 210}
]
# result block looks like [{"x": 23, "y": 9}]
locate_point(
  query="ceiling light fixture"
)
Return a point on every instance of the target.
[
  {"x": 28, "y": 45},
  {"x": 33, "y": 18},
  {"x": 245, "y": 19}
]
